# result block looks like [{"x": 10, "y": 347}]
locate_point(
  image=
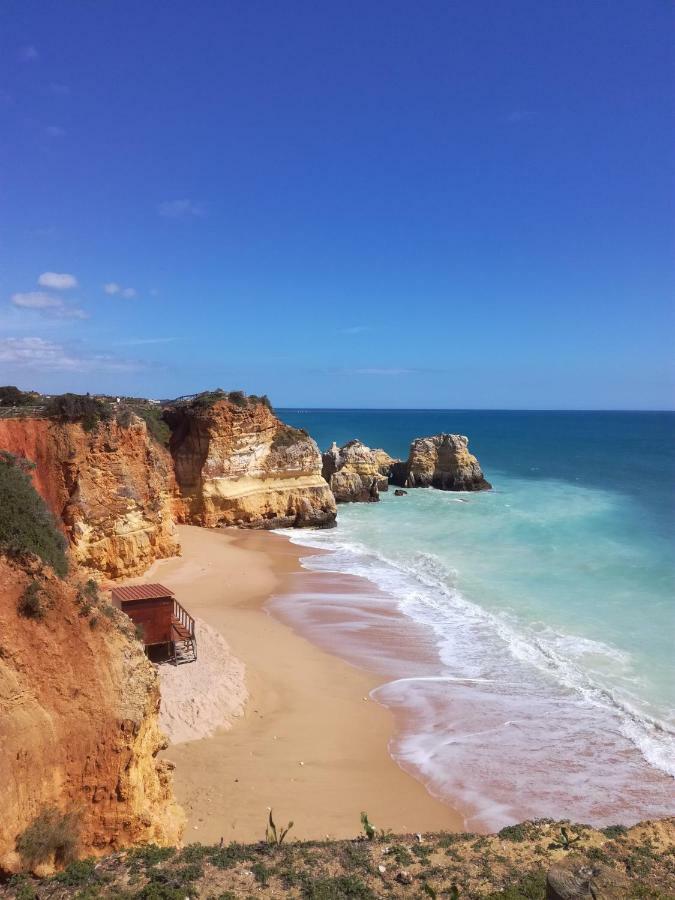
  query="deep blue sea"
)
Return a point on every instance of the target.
[{"x": 550, "y": 602}]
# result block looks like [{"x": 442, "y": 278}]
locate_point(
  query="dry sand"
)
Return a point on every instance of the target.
[
  {"x": 310, "y": 743},
  {"x": 208, "y": 694}
]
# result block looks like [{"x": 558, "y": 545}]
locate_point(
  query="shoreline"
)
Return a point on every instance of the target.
[{"x": 310, "y": 743}]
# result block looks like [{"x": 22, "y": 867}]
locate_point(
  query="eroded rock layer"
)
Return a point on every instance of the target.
[
  {"x": 356, "y": 473},
  {"x": 237, "y": 464},
  {"x": 111, "y": 487},
  {"x": 79, "y": 708},
  {"x": 442, "y": 461}
]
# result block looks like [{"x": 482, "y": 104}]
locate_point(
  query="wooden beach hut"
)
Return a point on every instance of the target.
[{"x": 167, "y": 628}]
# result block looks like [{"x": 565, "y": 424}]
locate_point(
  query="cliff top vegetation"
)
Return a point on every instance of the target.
[
  {"x": 207, "y": 399},
  {"x": 518, "y": 863}
]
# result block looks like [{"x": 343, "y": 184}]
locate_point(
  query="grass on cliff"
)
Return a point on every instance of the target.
[
  {"x": 511, "y": 865},
  {"x": 26, "y": 524}
]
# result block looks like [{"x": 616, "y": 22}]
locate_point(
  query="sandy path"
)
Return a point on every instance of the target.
[{"x": 308, "y": 744}]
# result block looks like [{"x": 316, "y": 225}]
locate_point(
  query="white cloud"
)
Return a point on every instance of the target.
[
  {"x": 37, "y": 353},
  {"x": 180, "y": 209},
  {"x": 112, "y": 288},
  {"x": 47, "y": 304},
  {"x": 55, "y": 131},
  {"x": 60, "y": 281},
  {"x": 36, "y": 300},
  {"x": 29, "y": 53}
]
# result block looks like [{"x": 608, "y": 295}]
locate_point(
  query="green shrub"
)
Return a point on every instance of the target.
[
  {"x": 150, "y": 855},
  {"x": 263, "y": 399},
  {"x": 158, "y": 429},
  {"x": 238, "y": 398},
  {"x": 614, "y": 831},
  {"x": 81, "y": 871},
  {"x": 26, "y": 524},
  {"x": 124, "y": 416},
  {"x": 80, "y": 408},
  {"x": 286, "y": 436},
  {"x": 50, "y": 834},
  {"x": 343, "y": 886},
  {"x": 30, "y": 605},
  {"x": 528, "y": 887},
  {"x": 23, "y": 889}
]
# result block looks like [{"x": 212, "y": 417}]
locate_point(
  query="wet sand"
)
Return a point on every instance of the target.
[{"x": 311, "y": 743}]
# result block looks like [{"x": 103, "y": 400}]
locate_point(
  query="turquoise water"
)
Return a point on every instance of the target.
[{"x": 552, "y": 596}]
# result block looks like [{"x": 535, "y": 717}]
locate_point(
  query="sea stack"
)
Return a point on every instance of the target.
[
  {"x": 442, "y": 461},
  {"x": 355, "y": 473}
]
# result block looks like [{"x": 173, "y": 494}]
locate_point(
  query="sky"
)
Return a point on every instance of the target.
[{"x": 456, "y": 204}]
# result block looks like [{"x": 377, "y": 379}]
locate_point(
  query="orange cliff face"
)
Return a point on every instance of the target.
[
  {"x": 111, "y": 488},
  {"x": 79, "y": 728},
  {"x": 237, "y": 464}
]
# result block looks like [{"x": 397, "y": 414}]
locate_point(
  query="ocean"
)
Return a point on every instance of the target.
[{"x": 525, "y": 635}]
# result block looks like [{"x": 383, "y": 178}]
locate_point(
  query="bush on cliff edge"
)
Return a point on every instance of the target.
[{"x": 26, "y": 524}]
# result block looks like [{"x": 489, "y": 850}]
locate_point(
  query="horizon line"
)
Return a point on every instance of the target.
[{"x": 301, "y": 407}]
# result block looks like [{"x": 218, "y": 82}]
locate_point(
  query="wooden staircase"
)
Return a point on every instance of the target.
[{"x": 183, "y": 638}]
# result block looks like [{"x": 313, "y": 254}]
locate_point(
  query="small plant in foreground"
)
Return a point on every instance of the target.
[
  {"x": 274, "y": 836},
  {"x": 51, "y": 835},
  {"x": 564, "y": 842},
  {"x": 368, "y": 828}
]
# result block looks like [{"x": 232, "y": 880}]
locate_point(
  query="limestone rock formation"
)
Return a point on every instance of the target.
[
  {"x": 79, "y": 708},
  {"x": 236, "y": 464},
  {"x": 356, "y": 473},
  {"x": 111, "y": 487},
  {"x": 442, "y": 461}
]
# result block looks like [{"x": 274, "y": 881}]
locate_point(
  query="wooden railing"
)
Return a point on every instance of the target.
[{"x": 183, "y": 617}]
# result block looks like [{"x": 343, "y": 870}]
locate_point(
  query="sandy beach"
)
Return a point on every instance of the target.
[{"x": 309, "y": 741}]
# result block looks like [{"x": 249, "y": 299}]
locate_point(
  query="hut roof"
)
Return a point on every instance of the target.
[{"x": 141, "y": 592}]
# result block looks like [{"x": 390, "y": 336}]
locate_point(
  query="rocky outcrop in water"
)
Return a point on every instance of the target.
[
  {"x": 442, "y": 461},
  {"x": 356, "y": 473},
  {"x": 111, "y": 486},
  {"x": 236, "y": 463},
  {"x": 79, "y": 732}
]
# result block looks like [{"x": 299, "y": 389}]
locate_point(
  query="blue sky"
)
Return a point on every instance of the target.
[{"x": 432, "y": 204}]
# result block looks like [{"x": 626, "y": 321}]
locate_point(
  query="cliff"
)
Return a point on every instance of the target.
[
  {"x": 110, "y": 486},
  {"x": 236, "y": 464},
  {"x": 442, "y": 461},
  {"x": 356, "y": 473},
  {"x": 78, "y": 719}
]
